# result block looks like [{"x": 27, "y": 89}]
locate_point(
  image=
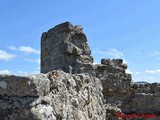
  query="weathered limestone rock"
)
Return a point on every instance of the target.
[
  {"x": 114, "y": 79},
  {"x": 146, "y": 99},
  {"x": 65, "y": 97},
  {"x": 72, "y": 88},
  {"x": 65, "y": 47},
  {"x": 119, "y": 91},
  {"x": 24, "y": 86}
]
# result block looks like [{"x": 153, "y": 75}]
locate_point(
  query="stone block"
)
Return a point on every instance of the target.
[{"x": 33, "y": 85}]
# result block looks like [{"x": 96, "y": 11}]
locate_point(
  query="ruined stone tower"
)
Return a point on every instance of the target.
[
  {"x": 65, "y": 47},
  {"x": 106, "y": 93}
]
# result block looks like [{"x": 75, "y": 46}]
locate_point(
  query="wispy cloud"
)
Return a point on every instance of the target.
[
  {"x": 137, "y": 73},
  {"x": 128, "y": 71},
  {"x": 6, "y": 56},
  {"x": 146, "y": 75},
  {"x": 146, "y": 78},
  {"x": 12, "y": 47},
  {"x": 155, "y": 53},
  {"x": 125, "y": 61},
  {"x": 28, "y": 49},
  {"x": 133, "y": 72},
  {"x": 157, "y": 71},
  {"x": 23, "y": 73},
  {"x": 20, "y": 71},
  {"x": 5, "y": 72},
  {"x": 33, "y": 60},
  {"x": 115, "y": 53},
  {"x": 25, "y": 49},
  {"x": 110, "y": 52}
]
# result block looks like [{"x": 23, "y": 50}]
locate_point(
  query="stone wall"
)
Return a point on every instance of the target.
[
  {"x": 114, "y": 78},
  {"x": 65, "y": 47},
  {"x": 70, "y": 87},
  {"x": 119, "y": 90},
  {"x": 53, "y": 96},
  {"x": 146, "y": 98}
]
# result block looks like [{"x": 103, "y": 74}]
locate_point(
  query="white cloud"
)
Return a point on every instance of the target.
[
  {"x": 133, "y": 72},
  {"x": 157, "y": 71},
  {"x": 12, "y": 47},
  {"x": 155, "y": 53},
  {"x": 33, "y": 60},
  {"x": 25, "y": 49},
  {"x": 22, "y": 72},
  {"x": 5, "y": 72},
  {"x": 110, "y": 52},
  {"x": 115, "y": 53},
  {"x": 35, "y": 72},
  {"x": 125, "y": 61},
  {"x": 6, "y": 56},
  {"x": 147, "y": 78},
  {"x": 137, "y": 73},
  {"x": 128, "y": 71},
  {"x": 28, "y": 49}
]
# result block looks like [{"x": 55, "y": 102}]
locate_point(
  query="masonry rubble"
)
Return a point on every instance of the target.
[
  {"x": 65, "y": 47},
  {"x": 71, "y": 87},
  {"x": 51, "y": 97}
]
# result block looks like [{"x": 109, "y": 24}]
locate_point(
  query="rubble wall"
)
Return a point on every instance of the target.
[
  {"x": 70, "y": 87},
  {"x": 65, "y": 47},
  {"x": 53, "y": 96}
]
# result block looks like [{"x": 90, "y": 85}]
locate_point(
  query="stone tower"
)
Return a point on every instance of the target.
[{"x": 65, "y": 47}]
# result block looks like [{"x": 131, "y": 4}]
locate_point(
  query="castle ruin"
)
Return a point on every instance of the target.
[{"x": 71, "y": 87}]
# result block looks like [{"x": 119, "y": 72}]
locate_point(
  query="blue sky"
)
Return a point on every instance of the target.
[{"x": 128, "y": 29}]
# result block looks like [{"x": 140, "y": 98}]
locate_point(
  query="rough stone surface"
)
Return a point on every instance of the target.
[
  {"x": 72, "y": 88},
  {"x": 24, "y": 86},
  {"x": 115, "y": 81},
  {"x": 70, "y": 97},
  {"x": 146, "y": 99},
  {"x": 65, "y": 47},
  {"x": 120, "y": 92}
]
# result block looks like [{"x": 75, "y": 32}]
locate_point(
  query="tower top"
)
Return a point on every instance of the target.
[{"x": 65, "y": 47}]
